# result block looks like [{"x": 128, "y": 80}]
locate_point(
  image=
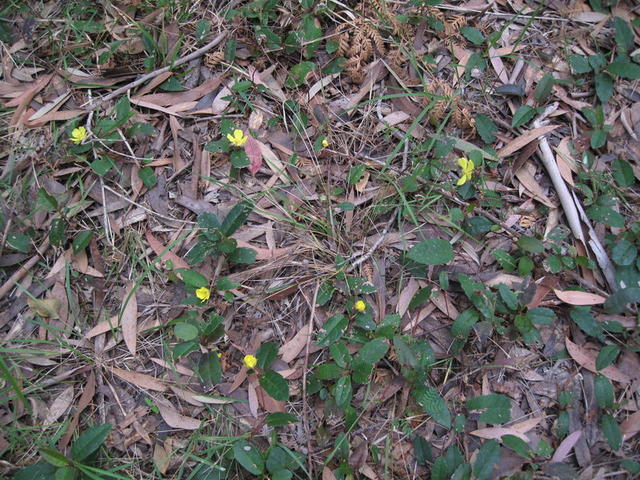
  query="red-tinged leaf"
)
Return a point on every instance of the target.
[
  {"x": 130, "y": 319},
  {"x": 587, "y": 360},
  {"x": 579, "y": 298},
  {"x": 252, "y": 149}
]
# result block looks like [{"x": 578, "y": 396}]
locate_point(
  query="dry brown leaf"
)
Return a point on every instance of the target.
[
  {"x": 445, "y": 305},
  {"x": 528, "y": 181},
  {"x": 103, "y": 327},
  {"x": 85, "y": 399},
  {"x": 519, "y": 142},
  {"x": 173, "y": 418},
  {"x": 498, "y": 66},
  {"x": 293, "y": 347},
  {"x": 630, "y": 426},
  {"x": 327, "y": 474},
  {"x": 174, "y": 98},
  {"x": 264, "y": 253},
  {"x": 253, "y": 395},
  {"x": 165, "y": 254},
  {"x": 59, "y": 406},
  {"x": 181, "y": 369},
  {"x": 404, "y": 299},
  {"x": 48, "y": 307},
  {"x": 587, "y": 360},
  {"x": 139, "y": 379},
  {"x": 518, "y": 430},
  {"x": 129, "y": 319},
  {"x": 579, "y": 298},
  {"x": 160, "y": 458},
  {"x": 565, "y": 446}
]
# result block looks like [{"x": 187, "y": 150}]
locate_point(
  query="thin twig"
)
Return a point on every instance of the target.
[
  {"x": 305, "y": 403},
  {"x": 160, "y": 71}
]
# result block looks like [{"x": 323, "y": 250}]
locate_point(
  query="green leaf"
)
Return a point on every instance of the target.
[
  {"x": 281, "y": 474},
  {"x": 239, "y": 159},
  {"x": 47, "y": 201},
  {"x": 624, "y": 69},
  {"x": 81, "y": 241},
  {"x": 623, "y": 173},
  {"x": 472, "y": 34},
  {"x": 102, "y": 165},
  {"x": 624, "y": 34},
  {"x": 404, "y": 352},
  {"x": 541, "y": 316},
  {"x": 432, "y": 251},
  {"x": 355, "y": 173},
  {"x": 611, "y": 431},
  {"x": 183, "y": 349},
  {"x": 267, "y": 354},
  {"x": 243, "y": 256},
  {"x": 329, "y": 371},
  {"x": 517, "y": 445},
  {"x": 185, "y": 331},
  {"x": 604, "y": 86},
  {"x": 340, "y": 354},
  {"x": 37, "y": 471},
  {"x": 343, "y": 392},
  {"x": 497, "y": 408},
  {"x": 89, "y": 442},
  {"x": 191, "y": 278},
  {"x": 523, "y": 115},
  {"x": 235, "y": 218},
  {"x": 422, "y": 450},
  {"x": 147, "y": 176},
  {"x": 57, "y": 232},
  {"x": 624, "y": 253},
  {"x": 333, "y": 329},
  {"x": 617, "y": 302},
  {"x": 598, "y": 138},
  {"x": 280, "y": 419},
  {"x": 247, "y": 455},
  {"x": 54, "y": 457},
  {"x": 607, "y": 356},
  {"x": 298, "y": 74},
  {"x": 582, "y": 317},
  {"x": 202, "y": 30},
  {"x": 486, "y": 128},
  {"x": 603, "y": 391},
  {"x": 553, "y": 263},
  {"x": 372, "y": 352},
  {"x": 463, "y": 323},
  {"x": 509, "y": 298},
  {"x": 530, "y": 244},
  {"x": 543, "y": 89},
  {"x": 606, "y": 215},
  {"x": 209, "y": 368},
  {"x": 487, "y": 457},
  {"x": 433, "y": 404},
  {"x": 505, "y": 260},
  {"x": 275, "y": 385},
  {"x": 421, "y": 297}
]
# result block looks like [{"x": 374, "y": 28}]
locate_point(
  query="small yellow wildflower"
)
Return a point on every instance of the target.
[
  {"x": 467, "y": 167},
  {"x": 219, "y": 355},
  {"x": 203, "y": 294},
  {"x": 238, "y": 138},
  {"x": 360, "y": 306},
  {"x": 250, "y": 361},
  {"x": 78, "y": 135},
  {"x": 325, "y": 143}
]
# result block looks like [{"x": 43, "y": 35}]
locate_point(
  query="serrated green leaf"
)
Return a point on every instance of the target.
[
  {"x": 298, "y": 74},
  {"x": 372, "y": 352},
  {"x": 497, "y": 408},
  {"x": 509, "y": 298},
  {"x": 247, "y": 455},
  {"x": 604, "y": 86},
  {"x": 355, "y": 173},
  {"x": 523, "y": 115},
  {"x": 433, "y": 404},
  {"x": 486, "y": 128},
  {"x": 343, "y": 392},
  {"x": 38, "y": 471},
  {"x": 329, "y": 371},
  {"x": 422, "y": 450},
  {"x": 624, "y": 69},
  {"x": 543, "y": 89},
  {"x": 236, "y": 217},
  {"x": 617, "y": 302},
  {"x": 530, "y": 244},
  {"x": 624, "y": 34},
  {"x": 624, "y": 253},
  {"x": 57, "y": 232},
  {"x": 541, "y": 315},
  {"x": 472, "y": 34},
  {"x": 243, "y": 256},
  {"x": 148, "y": 177},
  {"x": 432, "y": 251},
  {"x": 517, "y": 445},
  {"x": 623, "y": 173},
  {"x": 340, "y": 354},
  {"x": 404, "y": 352},
  {"x": 275, "y": 385},
  {"x": 487, "y": 457},
  {"x": 89, "y": 441}
]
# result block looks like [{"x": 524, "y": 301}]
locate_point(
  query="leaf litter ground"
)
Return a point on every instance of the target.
[{"x": 408, "y": 317}]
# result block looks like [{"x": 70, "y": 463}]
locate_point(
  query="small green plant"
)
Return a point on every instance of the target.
[{"x": 78, "y": 464}]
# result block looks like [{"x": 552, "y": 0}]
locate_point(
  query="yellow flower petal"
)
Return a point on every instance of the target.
[
  {"x": 203, "y": 294},
  {"x": 78, "y": 135},
  {"x": 463, "y": 162},
  {"x": 250, "y": 361},
  {"x": 325, "y": 143},
  {"x": 462, "y": 180},
  {"x": 360, "y": 306},
  {"x": 238, "y": 138}
]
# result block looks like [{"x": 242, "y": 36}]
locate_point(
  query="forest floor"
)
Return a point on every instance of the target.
[{"x": 299, "y": 239}]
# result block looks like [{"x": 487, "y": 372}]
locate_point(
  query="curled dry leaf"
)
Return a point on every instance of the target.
[
  {"x": 587, "y": 360},
  {"x": 579, "y": 298},
  {"x": 174, "y": 419},
  {"x": 129, "y": 320},
  {"x": 141, "y": 380}
]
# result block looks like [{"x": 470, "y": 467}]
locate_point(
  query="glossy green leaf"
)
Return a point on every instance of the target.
[
  {"x": 343, "y": 391},
  {"x": 432, "y": 251},
  {"x": 89, "y": 441},
  {"x": 275, "y": 385},
  {"x": 82, "y": 241},
  {"x": 247, "y": 455},
  {"x": 267, "y": 354},
  {"x": 607, "y": 356},
  {"x": 603, "y": 391},
  {"x": 497, "y": 408},
  {"x": 185, "y": 331},
  {"x": 192, "y": 278},
  {"x": 332, "y": 330}
]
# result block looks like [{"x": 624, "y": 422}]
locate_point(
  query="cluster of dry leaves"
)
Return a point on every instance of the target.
[{"x": 100, "y": 353}]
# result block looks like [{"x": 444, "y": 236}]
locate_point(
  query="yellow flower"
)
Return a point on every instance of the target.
[
  {"x": 360, "y": 306},
  {"x": 78, "y": 135},
  {"x": 219, "y": 355},
  {"x": 325, "y": 143},
  {"x": 203, "y": 294},
  {"x": 250, "y": 361},
  {"x": 467, "y": 167},
  {"x": 238, "y": 138}
]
